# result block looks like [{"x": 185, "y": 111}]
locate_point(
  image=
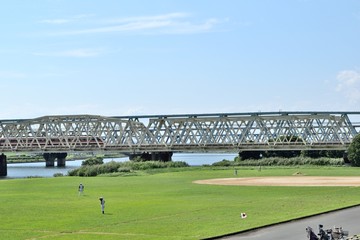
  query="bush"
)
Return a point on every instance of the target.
[
  {"x": 354, "y": 151},
  {"x": 90, "y": 171},
  {"x": 92, "y": 161},
  {"x": 124, "y": 170},
  {"x": 278, "y": 161},
  {"x": 116, "y": 167},
  {"x": 223, "y": 163},
  {"x": 109, "y": 167},
  {"x": 73, "y": 172},
  {"x": 58, "y": 175}
]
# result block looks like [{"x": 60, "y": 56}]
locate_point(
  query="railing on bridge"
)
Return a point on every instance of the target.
[{"x": 231, "y": 132}]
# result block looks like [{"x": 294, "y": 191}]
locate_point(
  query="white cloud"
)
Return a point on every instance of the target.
[
  {"x": 349, "y": 85},
  {"x": 59, "y": 21},
  {"x": 148, "y": 18},
  {"x": 79, "y": 53},
  {"x": 56, "y": 21},
  {"x": 172, "y": 23}
]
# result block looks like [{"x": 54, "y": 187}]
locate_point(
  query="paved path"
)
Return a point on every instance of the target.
[{"x": 348, "y": 218}]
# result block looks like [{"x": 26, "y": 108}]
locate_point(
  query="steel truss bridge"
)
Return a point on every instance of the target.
[{"x": 223, "y": 132}]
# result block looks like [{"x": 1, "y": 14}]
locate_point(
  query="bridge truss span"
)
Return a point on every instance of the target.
[
  {"x": 255, "y": 131},
  {"x": 231, "y": 132},
  {"x": 70, "y": 133}
]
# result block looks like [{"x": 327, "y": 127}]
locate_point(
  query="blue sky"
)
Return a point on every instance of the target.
[{"x": 114, "y": 57}]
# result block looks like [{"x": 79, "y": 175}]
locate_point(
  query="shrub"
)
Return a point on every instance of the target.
[
  {"x": 223, "y": 163},
  {"x": 109, "y": 167},
  {"x": 124, "y": 170},
  {"x": 73, "y": 172},
  {"x": 92, "y": 161},
  {"x": 115, "y": 167},
  {"x": 58, "y": 175},
  {"x": 137, "y": 159},
  {"x": 354, "y": 151},
  {"x": 177, "y": 164},
  {"x": 90, "y": 171},
  {"x": 278, "y": 161}
]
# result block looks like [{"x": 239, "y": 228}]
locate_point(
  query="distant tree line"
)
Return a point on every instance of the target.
[
  {"x": 351, "y": 155},
  {"x": 245, "y": 155}
]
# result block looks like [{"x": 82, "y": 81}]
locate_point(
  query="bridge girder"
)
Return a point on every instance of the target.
[{"x": 180, "y": 133}]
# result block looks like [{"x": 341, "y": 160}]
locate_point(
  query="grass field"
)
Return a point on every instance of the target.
[{"x": 162, "y": 205}]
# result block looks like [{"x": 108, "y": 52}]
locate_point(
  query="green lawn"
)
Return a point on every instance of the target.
[{"x": 165, "y": 205}]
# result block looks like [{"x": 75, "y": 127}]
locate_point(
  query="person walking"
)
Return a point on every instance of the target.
[
  {"x": 102, "y": 203},
  {"x": 81, "y": 189}
]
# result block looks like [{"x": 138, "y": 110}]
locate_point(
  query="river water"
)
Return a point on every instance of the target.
[{"x": 23, "y": 170}]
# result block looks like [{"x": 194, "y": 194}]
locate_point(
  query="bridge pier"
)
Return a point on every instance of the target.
[
  {"x": 61, "y": 159},
  {"x": 3, "y": 165},
  {"x": 50, "y": 159}
]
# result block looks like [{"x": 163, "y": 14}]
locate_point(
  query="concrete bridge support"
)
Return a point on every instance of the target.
[
  {"x": 50, "y": 159},
  {"x": 3, "y": 165},
  {"x": 61, "y": 159}
]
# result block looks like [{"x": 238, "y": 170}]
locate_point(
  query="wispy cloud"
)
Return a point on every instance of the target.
[
  {"x": 148, "y": 18},
  {"x": 78, "y": 53},
  {"x": 349, "y": 85},
  {"x": 59, "y": 21},
  {"x": 56, "y": 21},
  {"x": 172, "y": 23}
]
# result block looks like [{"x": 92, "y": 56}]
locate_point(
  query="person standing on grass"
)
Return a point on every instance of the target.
[
  {"x": 81, "y": 189},
  {"x": 102, "y": 203}
]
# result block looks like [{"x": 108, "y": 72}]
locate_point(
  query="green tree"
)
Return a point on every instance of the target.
[
  {"x": 323, "y": 153},
  {"x": 354, "y": 151},
  {"x": 244, "y": 155}
]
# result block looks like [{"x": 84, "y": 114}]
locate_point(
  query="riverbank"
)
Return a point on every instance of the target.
[
  {"x": 33, "y": 158},
  {"x": 38, "y": 169}
]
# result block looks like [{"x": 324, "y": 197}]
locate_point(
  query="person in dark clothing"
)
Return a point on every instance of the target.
[{"x": 102, "y": 203}]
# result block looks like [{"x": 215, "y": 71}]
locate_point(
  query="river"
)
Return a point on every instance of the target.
[{"x": 23, "y": 170}]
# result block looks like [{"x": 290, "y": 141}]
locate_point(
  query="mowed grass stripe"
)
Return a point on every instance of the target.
[{"x": 163, "y": 205}]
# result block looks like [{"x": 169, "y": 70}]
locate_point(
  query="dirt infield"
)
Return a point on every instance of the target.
[{"x": 284, "y": 181}]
